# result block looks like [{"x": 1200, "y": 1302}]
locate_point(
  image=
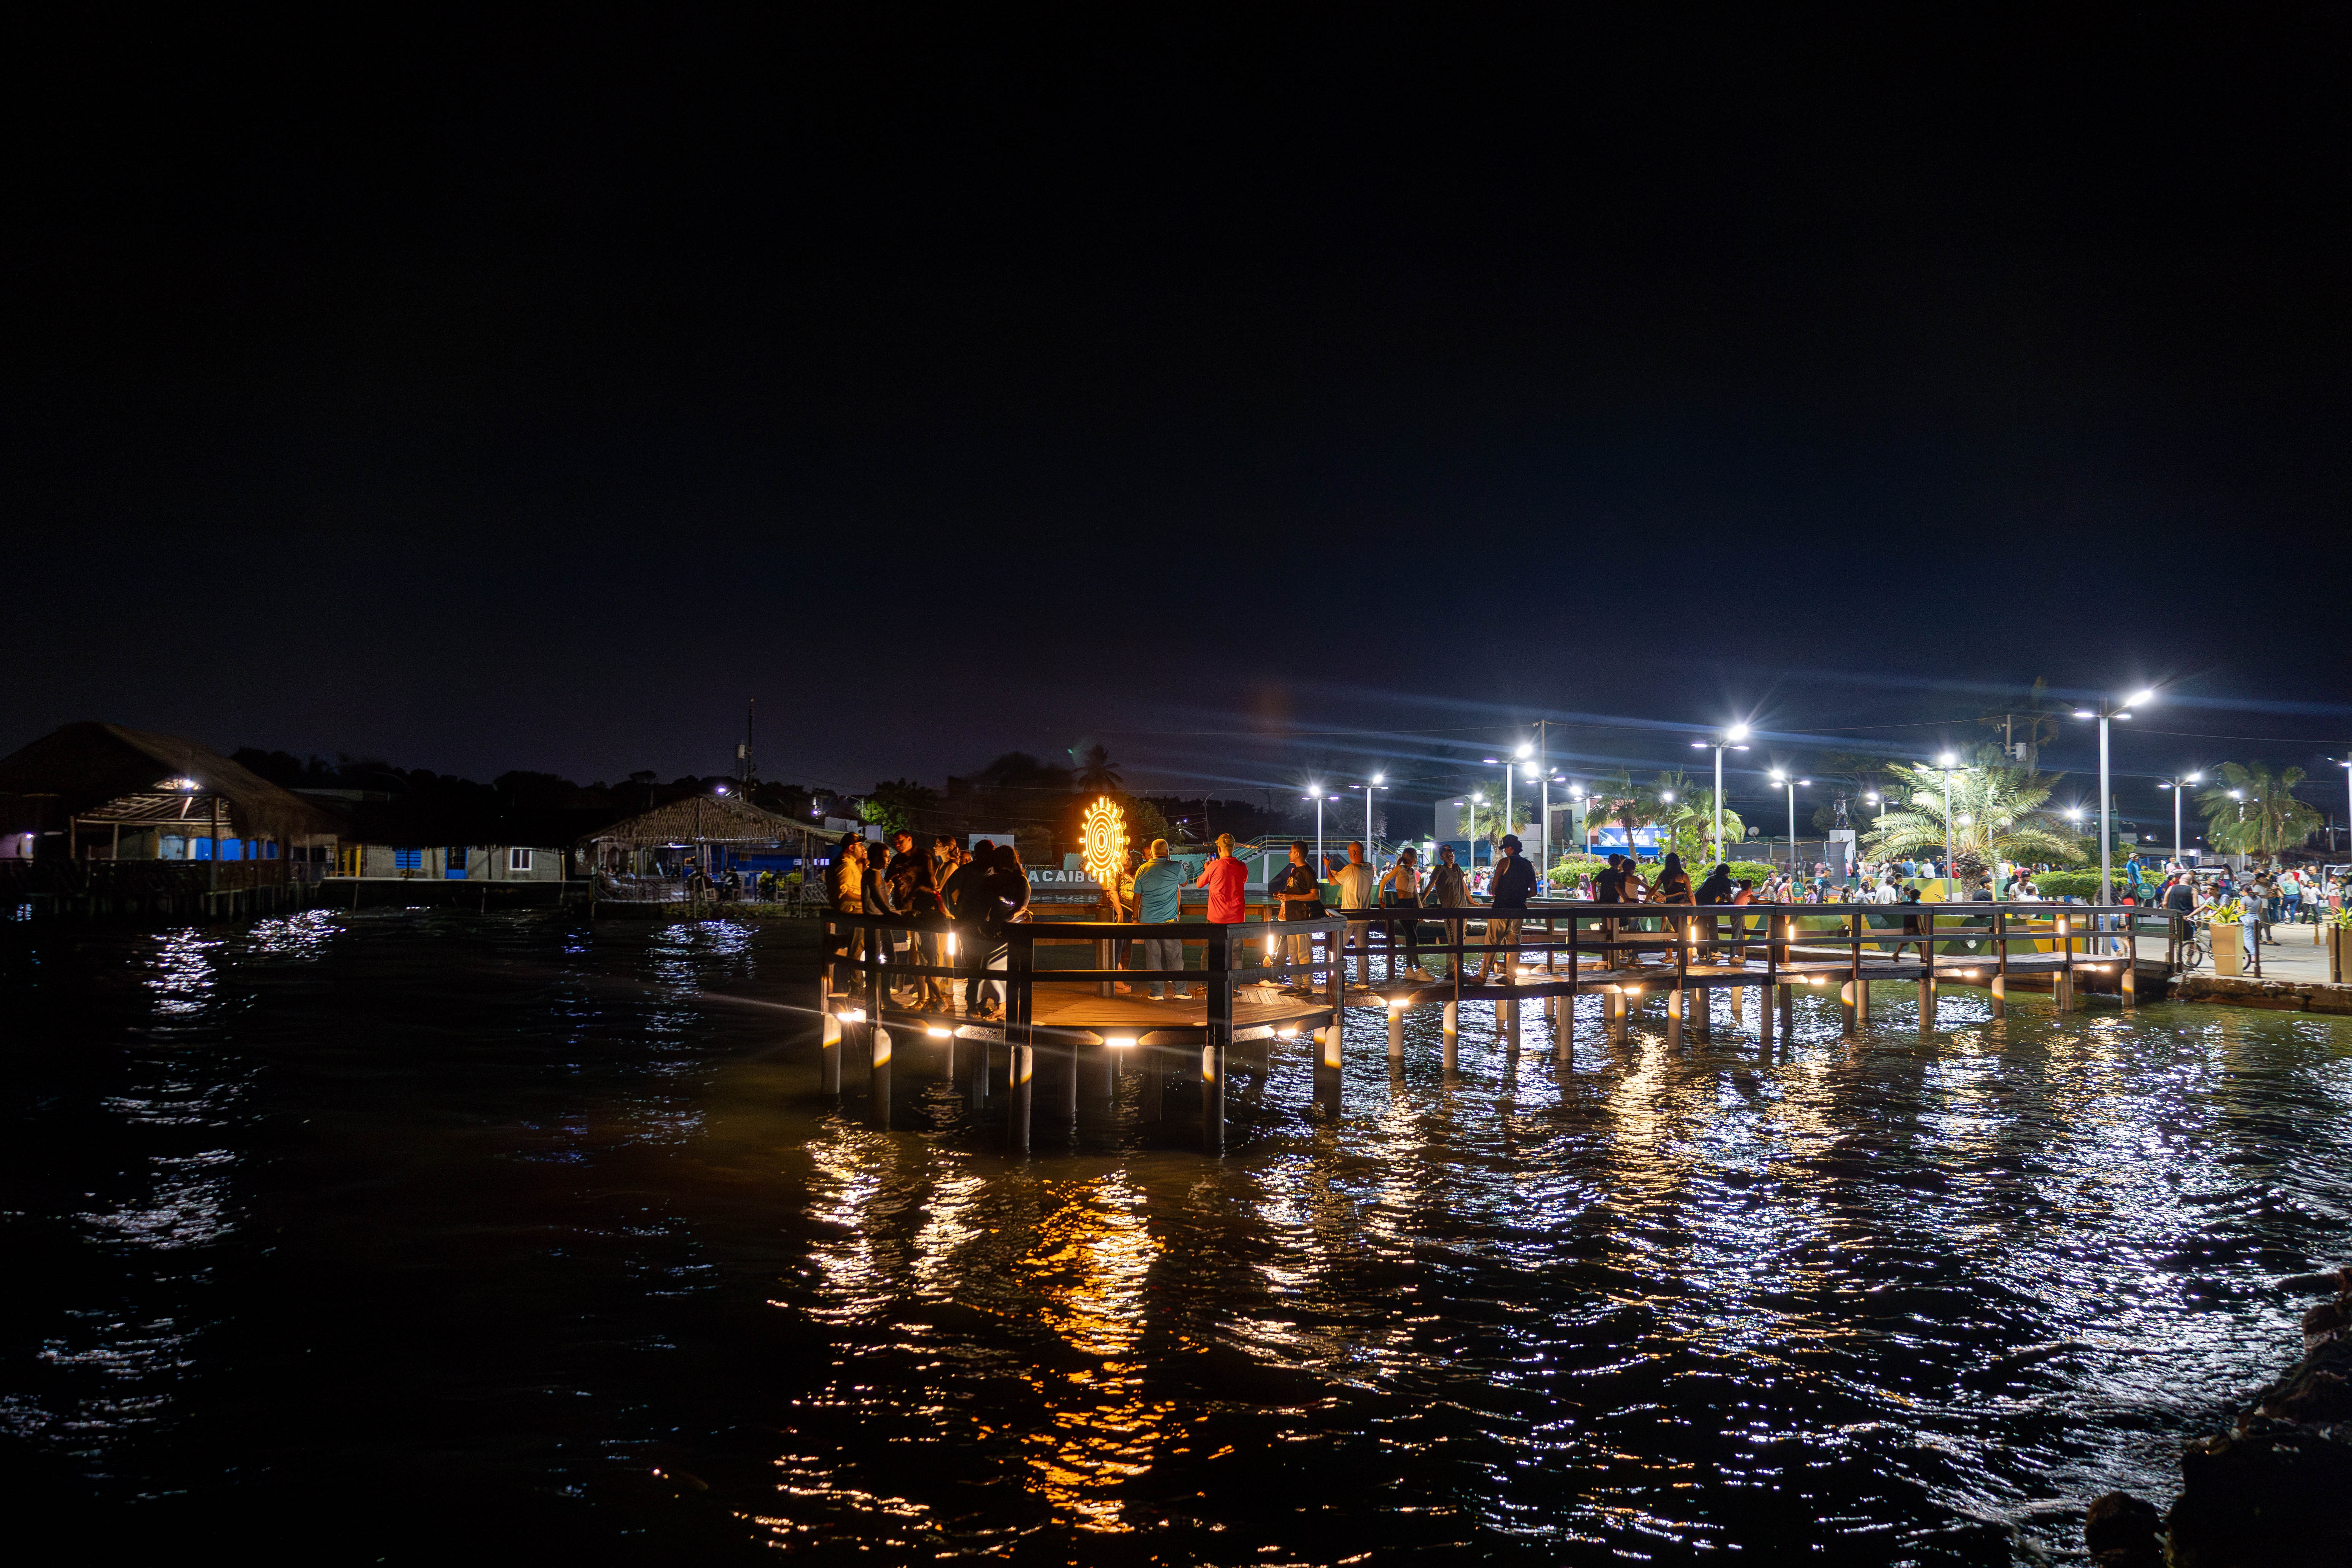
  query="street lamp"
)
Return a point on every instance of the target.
[
  {"x": 2345, "y": 763},
  {"x": 2106, "y": 838},
  {"x": 1520, "y": 755},
  {"x": 2178, "y": 786},
  {"x": 1368, "y": 789},
  {"x": 1782, "y": 780},
  {"x": 1945, "y": 763},
  {"x": 1543, "y": 831},
  {"x": 1733, "y": 739},
  {"x": 1318, "y": 797}
]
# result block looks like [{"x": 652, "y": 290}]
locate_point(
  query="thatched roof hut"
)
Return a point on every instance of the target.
[
  {"x": 698, "y": 819},
  {"x": 114, "y": 773}
]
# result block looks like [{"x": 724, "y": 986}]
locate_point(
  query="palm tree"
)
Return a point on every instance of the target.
[
  {"x": 1622, "y": 800},
  {"x": 1997, "y": 813},
  {"x": 2252, "y": 810},
  {"x": 1096, "y": 771}
]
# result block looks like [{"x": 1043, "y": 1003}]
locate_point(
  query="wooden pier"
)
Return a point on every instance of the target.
[{"x": 1069, "y": 1023}]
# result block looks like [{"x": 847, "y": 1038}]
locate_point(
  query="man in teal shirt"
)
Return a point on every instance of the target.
[{"x": 1159, "y": 901}]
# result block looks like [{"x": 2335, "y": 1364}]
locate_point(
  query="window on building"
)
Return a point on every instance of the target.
[
  {"x": 409, "y": 859},
  {"x": 518, "y": 859}
]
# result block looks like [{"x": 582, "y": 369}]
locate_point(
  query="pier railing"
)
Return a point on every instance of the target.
[
  {"x": 1622, "y": 951},
  {"x": 1001, "y": 960}
]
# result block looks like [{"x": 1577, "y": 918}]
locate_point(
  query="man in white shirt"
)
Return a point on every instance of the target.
[{"x": 1356, "y": 882}]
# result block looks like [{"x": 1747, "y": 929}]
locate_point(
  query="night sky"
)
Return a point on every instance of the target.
[{"x": 1252, "y": 401}]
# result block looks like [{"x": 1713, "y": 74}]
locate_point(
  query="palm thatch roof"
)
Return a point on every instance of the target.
[
  {"x": 112, "y": 772},
  {"x": 700, "y": 819}
]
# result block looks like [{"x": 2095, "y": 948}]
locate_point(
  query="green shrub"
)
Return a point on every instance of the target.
[{"x": 2067, "y": 884}]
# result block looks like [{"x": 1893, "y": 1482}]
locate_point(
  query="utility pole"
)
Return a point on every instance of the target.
[{"x": 750, "y": 769}]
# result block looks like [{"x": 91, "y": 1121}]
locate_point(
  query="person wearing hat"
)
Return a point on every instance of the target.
[{"x": 1513, "y": 882}]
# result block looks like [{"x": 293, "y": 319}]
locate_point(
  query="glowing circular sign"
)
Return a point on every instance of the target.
[{"x": 1102, "y": 842}]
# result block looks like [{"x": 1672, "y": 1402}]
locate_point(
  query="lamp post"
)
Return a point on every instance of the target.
[
  {"x": 1945, "y": 763},
  {"x": 1520, "y": 755},
  {"x": 2178, "y": 786},
  {"x": 2106, "y": 838},
  {"x": 1318, "y": 797},
  {"x": 2345, "y": 763},
  {"x": 1733, "y": 739},
  {"x": 1368, "y": 789},
  {"x": 1782, "y": 780}
]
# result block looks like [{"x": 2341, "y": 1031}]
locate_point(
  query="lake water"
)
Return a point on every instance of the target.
[{"x": 411, "y": 1234}]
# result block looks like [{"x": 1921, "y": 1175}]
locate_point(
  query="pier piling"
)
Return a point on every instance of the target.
[{"x": 1018, "y": 1066}]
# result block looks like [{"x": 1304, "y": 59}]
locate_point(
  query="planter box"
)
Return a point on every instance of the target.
[{"x": 2228, "y": 949}]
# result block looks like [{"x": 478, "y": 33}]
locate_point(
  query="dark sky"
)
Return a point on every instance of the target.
[{"x": 1253, "y": 399}]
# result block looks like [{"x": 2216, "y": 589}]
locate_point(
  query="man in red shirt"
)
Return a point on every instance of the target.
[{"x": 1225, "y": 876}]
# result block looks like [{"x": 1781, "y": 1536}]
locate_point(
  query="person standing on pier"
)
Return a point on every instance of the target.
[
  {"x": 1296, "y": 897},
  {"x": 1446, "y": 890},
  {"x": 1400, "y": 888},
  {"x": 962, "y": 897},
  {"x": 1716, "y": 890},
  {"x": 1159, "y": 901},
  {"x": 1356, "y": 883},
  {"x": 1514, "y": 883},
  {"x": 1004, "y": 900},
  {"x": 848, "y": 891}
]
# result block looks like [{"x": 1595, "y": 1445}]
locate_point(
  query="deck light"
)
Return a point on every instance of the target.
[
  {"x": 937, "y": 1033},
  {"x": 1121, "y": 1041},
  {"x": 1288, "y": 1032},
  {"x": 853, "y": 1015}
]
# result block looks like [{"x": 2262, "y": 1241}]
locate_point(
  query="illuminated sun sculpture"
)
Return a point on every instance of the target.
[{"x": 1103, "y": 842}]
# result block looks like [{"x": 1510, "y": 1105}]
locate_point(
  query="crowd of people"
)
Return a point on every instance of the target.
[{"x": 952, "y": 894}]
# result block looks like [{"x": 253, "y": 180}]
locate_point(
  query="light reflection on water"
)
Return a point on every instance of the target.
[{"x": 1887, "y": 1302}]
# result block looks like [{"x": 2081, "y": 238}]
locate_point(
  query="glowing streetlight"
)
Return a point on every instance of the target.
[
  {"x": 1317, "y": 794},
  {"x": 1733, "y": 739},
  {"x": 2102, "y": 713},
  {"x": 1783, "y": 781},
  {"x": 2178, "y": 786},
  {"x": 1368, "y": 789}
]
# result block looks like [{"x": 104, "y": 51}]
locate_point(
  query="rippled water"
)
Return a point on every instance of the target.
[{"x": 389, "y": 1235}]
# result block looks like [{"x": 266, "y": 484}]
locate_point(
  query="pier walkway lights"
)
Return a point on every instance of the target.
[
  {"x": 1735, "y": 739},
  {"x": 2103, "y": 712},
  {"x": 2178, "y": 785}
]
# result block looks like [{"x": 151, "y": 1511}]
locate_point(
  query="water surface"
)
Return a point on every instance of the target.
[{"x": 390, "y": 1235}]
